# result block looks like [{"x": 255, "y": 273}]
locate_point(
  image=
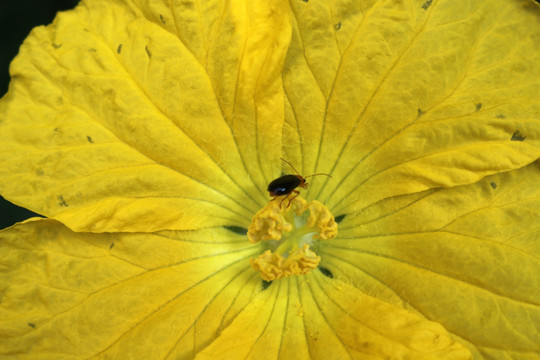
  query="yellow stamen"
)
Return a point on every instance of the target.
[
  {"x": 274, "y": 266},
  {"x": 288, "y": 232},
  {"x": 275, "y": 217},
  {"x": 320, "y": 216}
]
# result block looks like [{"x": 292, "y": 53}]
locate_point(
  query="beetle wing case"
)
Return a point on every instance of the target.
[{"x": 284, "y": 185}]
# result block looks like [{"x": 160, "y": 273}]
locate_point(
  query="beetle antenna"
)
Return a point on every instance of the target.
[
  {"x": 291, "y": 166},
  {"x": 317, "y": 174},
  {"x": 304, "y": 177}
]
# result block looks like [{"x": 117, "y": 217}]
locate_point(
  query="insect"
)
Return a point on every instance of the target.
[{"x": 286, "y": 184}]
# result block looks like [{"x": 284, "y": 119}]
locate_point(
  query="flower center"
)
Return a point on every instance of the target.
[{"x": 288, "y": 229}]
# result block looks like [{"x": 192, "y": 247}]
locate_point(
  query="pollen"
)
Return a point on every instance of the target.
[
  {"x": 274, "y": 266},
  {"x": 321, "y": 218},
  {"x": 288, "y": 232},
  {"x": 274, "y": 218}
]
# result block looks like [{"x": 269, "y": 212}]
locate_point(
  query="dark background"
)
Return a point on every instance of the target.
[{"x": 17, "y": 18}]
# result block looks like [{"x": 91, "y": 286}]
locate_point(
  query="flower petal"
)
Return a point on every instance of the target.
[
  {"x": 118, "y": 295},
  {"x": 172, "y": 294},
  {"x": 318, "y": 318},
  {"x": 398, "y": 97},
  {"x": 114, "y": 123},
  {"x": 467, "y": 257}
]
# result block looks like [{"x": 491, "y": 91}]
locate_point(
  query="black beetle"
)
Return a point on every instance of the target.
[{"x": 286, "y": 184}]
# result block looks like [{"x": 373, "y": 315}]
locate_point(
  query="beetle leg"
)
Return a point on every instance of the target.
[
  {"x": 274, "y": 197},
  {"x": 296, "y": 192},
  {"x": 282, "y": 200}
]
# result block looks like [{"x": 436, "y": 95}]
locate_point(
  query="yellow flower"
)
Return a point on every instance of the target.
[{"x": 147, "y": 134}]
